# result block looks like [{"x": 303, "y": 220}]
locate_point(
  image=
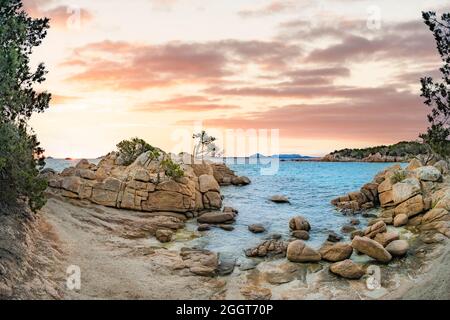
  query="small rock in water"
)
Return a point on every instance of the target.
[
  {"x": 398, "y": 248},
  {"x": 347, "y": 269},
  {"x": 369, "y": 215},
  {"x": 300, "y": 234},
  {"x": 299, "y": 223},
  {"x": 226, "y": 264},
  {"x": 256, "y": 228},
  {"x": 164, "y": 235},
  {"x": 204, "y": 227},
  {"x": 334, "y": 237},
  {"x": 274, "y": 236},
  {"x": 348, "y": 229},
  {"x": 355, "y": 222},
  {"x": 279, "y": 199},
  {"x": 226, "y": 227}
]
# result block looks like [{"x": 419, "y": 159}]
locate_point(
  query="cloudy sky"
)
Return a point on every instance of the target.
[{"x": 328, "y": 74}]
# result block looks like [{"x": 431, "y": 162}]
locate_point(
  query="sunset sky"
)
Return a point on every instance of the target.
[{"x": 328, "y": 74}]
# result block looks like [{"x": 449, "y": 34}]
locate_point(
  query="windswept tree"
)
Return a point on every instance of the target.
[
  {"x": 437, "y": 93},
  {"x": 20, "y": 153},
  {"x": 204, "y": 145}
]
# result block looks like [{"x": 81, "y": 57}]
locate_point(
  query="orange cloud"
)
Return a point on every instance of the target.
[{"x": 185, "y": 103}]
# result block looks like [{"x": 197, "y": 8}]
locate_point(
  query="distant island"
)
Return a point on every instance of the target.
[{"x": 399, "y": 152}]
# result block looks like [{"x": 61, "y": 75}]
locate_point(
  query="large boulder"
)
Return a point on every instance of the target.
[
  {"x": 336, "y": 252},
  {"x": 300, "y": 234},
  {"x": 435, "y": 214},
  {"x": 405, "y": 189},
  {"x": 428, "y": 173},
  {"x": 371, "y": 248},
  {"x": 298, "y": 251},
  {"x": 414, "y": 164},
  {"x": 208, "y": 183},
  {"x": 347, "y": 269},
  {"x": 299, "y": 223},
  {"x": 386, "y": 198},
  {"x": 400, "y": 220},
  {"x": 386, "y": 237},
  {"x": 410, "y": 207}
]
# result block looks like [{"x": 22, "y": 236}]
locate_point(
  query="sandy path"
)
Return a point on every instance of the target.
[{"x": 116, "y": 268}]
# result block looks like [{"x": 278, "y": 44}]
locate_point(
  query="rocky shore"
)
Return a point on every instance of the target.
[{"x": 125, "y": 227}]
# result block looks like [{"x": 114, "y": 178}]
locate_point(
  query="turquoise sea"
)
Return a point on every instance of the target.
[{"x": 309, "y": 185}]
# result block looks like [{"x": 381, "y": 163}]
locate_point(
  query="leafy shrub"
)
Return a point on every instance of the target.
[
  {"x": 20, "y": 161},
  {"x": 171, "y": 168},
  {"x": 398, "y": 176},
  {"x": 131, "y": 149}
]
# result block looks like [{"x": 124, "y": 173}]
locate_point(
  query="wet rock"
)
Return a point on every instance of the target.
[
  {"x": 208, "y": 183},
  {"x": 226, "y": 264},
  {"x": 256, "y": 228},
  {"x": 279, "y": 199},
  {"x": 200, "y": 262},
  {"x": 433, "y": 238},
  {"x": 268, "y": 248},
  {"x": 226, "y": 227},
  {"x": 398, "y": 248},
  {"x": 356, "y": 233},
  {"x": 355, "y": 222},
  {"x": 348, "y": 229},
  {"x": 347, "y": 269},
  {"x": 204, "y": 227},
  {"x": 256, "y": 293},
  {"x": 336, "y": 252},
  {"x": 400, "y": 220},
  {"x": 374, "y": 229},
  {"x": 240, "y": 181},
  {"x": 216, "y": 217},
  {"x": 436, "y": 214},
  {"x": 299, "y": 223},
  {"x": 334, "y": 237},
  {"x": 164, "y": 235},
  {"x": 386, "y": 237},
  {"x": 298, "y": 251},
  {"x": 300, "y": 234},
  {"x": 371, "y": 248}
]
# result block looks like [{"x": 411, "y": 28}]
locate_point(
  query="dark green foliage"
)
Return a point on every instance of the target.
[
  {"x": 172, "y": 169},
  {"x": 18, "y": 167},
  {"x": 437, "y": 94},
  {"x": 20, "y": 154},
  {"x": 401, "y": 149},
  {"x": 131, "y": 149}
]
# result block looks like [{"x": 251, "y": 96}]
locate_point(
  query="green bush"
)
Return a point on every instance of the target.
[
  {"x": 20, "y": 161},
  {"x": 131, "y": 149},
  {"x": 172, "y": 169},
  {"x": 398, "y": 176}
]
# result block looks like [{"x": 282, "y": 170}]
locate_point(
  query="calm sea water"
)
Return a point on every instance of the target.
[{"x": 309, "y": 185}]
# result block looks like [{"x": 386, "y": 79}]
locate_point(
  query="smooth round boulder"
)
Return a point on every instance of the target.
[
  {"x": 347, "y": 269},
  {"x": 299, "y": 223},
  {"x": 300, "y": 234},
  {"x": 398, "y": 248},
  {"x": 400, "y": 220},
  {"x": 256, "y": 228},
  {"x": 298, "y": 251}
]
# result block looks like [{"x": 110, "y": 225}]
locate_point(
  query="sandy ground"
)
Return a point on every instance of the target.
[{"x": 116, "y": 267}]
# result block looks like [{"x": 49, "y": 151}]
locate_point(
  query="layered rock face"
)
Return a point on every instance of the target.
[
  {"x": 417, "y": 195},
  {"x": 143, "y": 185}
]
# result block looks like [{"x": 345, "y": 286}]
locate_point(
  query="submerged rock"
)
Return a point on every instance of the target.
[
  {"x": 300, "y": 234},
  {"x": 268, "y": 248},
  {"x": 334, "y": 237}
]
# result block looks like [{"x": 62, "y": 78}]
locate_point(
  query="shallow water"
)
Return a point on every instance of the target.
[{"x": 309, "y": 186}]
